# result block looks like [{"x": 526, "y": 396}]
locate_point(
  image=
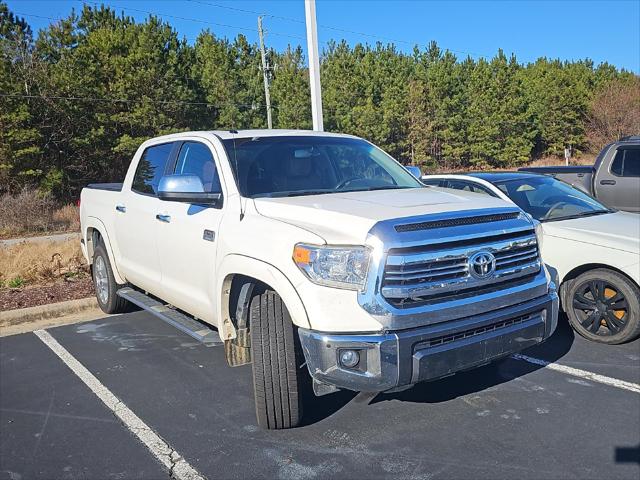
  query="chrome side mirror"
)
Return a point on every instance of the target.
[
  {"x": 415, "y": 171},
  {"x": 187, "y": 189}
]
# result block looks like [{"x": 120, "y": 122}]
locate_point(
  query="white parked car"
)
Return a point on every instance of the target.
[
  {"x": 595, "y": 251},
  {"x": 318, "y": 258}
]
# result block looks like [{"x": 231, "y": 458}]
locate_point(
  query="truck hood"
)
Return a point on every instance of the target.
[
  {"x": 346, "y": 218},
  {"x": 619, "y": 230}
]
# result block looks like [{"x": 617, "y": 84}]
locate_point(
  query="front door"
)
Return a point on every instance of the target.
[
  {"x": 136, "y": 223},
  {"x": 188, "y": 237}
]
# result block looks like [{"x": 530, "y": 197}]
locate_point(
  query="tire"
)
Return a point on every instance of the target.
[
  {"x": 105, "y": 284},
  {"x": 594, "y": 312},
  {"x": 278, "y": 379}
]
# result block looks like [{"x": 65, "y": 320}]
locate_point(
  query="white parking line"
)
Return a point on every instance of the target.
[
  {"x": 576, "y": 372},
  {"x": 178, "y": 467}
]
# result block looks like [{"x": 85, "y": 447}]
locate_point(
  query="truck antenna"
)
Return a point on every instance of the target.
[{"x": 237, "y": 172}]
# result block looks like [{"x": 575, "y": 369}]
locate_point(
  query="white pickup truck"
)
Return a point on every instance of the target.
[{"x": 304, "y": 249}]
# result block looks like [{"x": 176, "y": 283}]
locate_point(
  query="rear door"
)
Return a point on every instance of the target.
[
  {"x": 188, "y": 237},
  {"x": 618, "y": 186},
  {"x": 135, "y": 219}
]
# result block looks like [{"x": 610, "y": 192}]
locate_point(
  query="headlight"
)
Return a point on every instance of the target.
[
  {"x": 539, "y": 234},
  {"x": 333, "y": 266}
]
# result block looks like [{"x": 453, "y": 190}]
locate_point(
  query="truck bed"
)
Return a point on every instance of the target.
[
  {"x": 580, "y": 177},
  {"x": 112, "y": 187}
]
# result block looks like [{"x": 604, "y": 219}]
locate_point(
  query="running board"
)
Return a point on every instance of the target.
[{"x": 179, "y": 320}]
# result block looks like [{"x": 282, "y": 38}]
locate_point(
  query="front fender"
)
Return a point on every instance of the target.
[
  {"x": 264, "y": 272},
  {"x": 96, "y": 224}
]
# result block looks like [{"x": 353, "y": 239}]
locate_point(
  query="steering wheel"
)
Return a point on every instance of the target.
[
  {"x": 554, "y": 200},
  {"x": 346, "y": 182},
  {"x": 554, "y": 207}
]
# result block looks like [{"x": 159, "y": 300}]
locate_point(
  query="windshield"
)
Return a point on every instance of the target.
[
  {"x": 312, "y": 165},
  {"x": 546, "y": 199}
]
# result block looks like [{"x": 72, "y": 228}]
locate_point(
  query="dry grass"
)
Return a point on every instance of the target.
[
  {"x": 40, "y": 263},
  {"x": 29, "y": 213},
  {"x": 67, "y": 217},
  {"x": 586, "y": 159}
]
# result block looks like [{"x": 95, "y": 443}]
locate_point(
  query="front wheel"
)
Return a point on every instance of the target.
[
  {"x": 604, "y": 306},
  {"x": 279, "y": 377}
]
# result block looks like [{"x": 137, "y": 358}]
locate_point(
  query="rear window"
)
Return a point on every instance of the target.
[{"x": 151, "y": 168}]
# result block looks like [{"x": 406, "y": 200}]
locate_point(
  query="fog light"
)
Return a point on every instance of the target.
[{"x": 349, "y": 358}]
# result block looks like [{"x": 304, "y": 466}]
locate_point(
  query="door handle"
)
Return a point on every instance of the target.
[
  {"x": 121, "y": 209},
  {"x": 607, "y": 182},
  {"x": 163, "y": 218}
]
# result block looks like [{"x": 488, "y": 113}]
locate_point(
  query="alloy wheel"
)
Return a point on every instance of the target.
[{"x": 601, "y": 307}]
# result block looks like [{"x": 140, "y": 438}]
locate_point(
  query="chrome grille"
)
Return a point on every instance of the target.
[{"x": 437, "y": 271}]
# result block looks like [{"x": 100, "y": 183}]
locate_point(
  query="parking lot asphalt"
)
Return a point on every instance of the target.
[{"x": 509, "y": 419}]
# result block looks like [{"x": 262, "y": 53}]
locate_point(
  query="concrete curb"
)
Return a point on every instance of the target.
[
  {"x": 42, "y": 312},
  {"x": 56, "y": 237}
]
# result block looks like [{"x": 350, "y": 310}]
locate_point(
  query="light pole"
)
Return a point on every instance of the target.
[
  {"x": 314, "y": 64},
  {"x": 265, "y": 73}
]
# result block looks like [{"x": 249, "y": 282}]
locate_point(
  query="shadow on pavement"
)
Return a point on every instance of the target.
[
  {"x": 478, "y": 379},
  {"x": 460, "y": 384},
  {"x": 320, "y": 408}
]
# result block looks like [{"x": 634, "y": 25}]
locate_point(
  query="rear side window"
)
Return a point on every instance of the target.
[
  {"x": 626, "y": 163},
  {"x": 195, "y": 159},
  {"x": 468, "y": 186},
  {"x": 433, "y": 183},
  {"x": 151, "y": 168}
]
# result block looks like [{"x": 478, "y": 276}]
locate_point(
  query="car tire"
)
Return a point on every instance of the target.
[
  {"x": 105, "y": 284},
  {"x": 604, "y": 306},
  {"x": 278, "y": 372}
]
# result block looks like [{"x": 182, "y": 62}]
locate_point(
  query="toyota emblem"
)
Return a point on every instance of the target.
[{"x": 482, "y": 264}]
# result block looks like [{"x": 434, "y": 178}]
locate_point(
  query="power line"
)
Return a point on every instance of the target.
[
  {"x": 197, "y": 20},
  {"x": 254, "y": 12},
  {"x": 128, "y": 100},
  {"x": 329, "y": 27}
]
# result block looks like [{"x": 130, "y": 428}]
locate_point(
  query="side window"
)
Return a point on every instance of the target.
[
  {"x": 481, "y": 189},
  {"x": 626, "y": 163},
  {"x": 195, "y": 159},
  {"x": 631, "y": 163},
  {"x": 466, "y": 186},
  {"x": 616, "y": 165},
  {"x": 151, "y": 169},
  {"x": 455, "y": 184},
  {"x": 432, "y": 182}
]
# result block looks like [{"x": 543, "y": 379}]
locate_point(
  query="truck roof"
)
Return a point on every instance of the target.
[{"x": 228, "y": 134}]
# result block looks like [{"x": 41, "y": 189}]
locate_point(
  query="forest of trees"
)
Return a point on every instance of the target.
[{"x": 78, "y": 98}]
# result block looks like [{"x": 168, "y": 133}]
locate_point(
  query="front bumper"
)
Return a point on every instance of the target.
[{"x": 404, "y": 357}]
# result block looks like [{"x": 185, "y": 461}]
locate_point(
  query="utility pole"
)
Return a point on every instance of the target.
[
  {"x": 265, "y": 73},
  {"x": 314, "y": 64}
]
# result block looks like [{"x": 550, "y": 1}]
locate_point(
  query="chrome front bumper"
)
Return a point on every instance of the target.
[{"x": 404, "y": 357}]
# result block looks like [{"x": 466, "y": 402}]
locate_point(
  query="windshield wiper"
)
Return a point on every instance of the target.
[
  {"x": 370, "y": 189},
  {"x": 580, "y": 215},
  {"x": 301, "y": 193}
]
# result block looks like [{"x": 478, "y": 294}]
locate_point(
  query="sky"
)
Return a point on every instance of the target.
[{"x": 604, "y": 31}]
